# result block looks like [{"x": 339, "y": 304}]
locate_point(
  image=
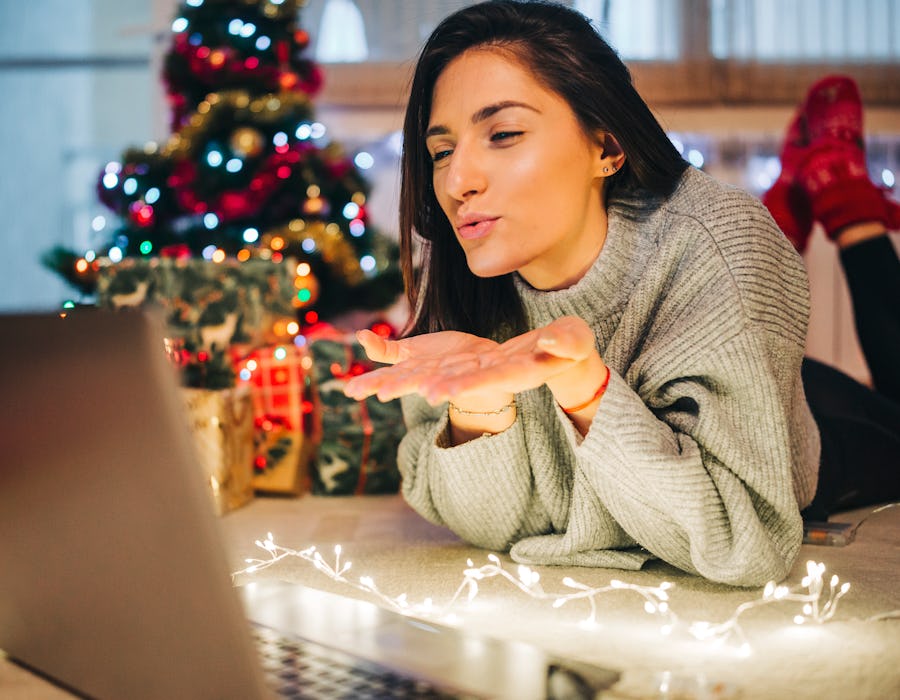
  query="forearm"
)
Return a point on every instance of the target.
[
  {"x": 474, "y": 418},
  {"x": 579, "y": 390},
  {"x": 717, "y": 502},
  {"x": 482, "y": 490}
]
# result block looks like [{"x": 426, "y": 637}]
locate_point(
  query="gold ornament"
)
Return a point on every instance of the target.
[{"x": 246, "y": 141}]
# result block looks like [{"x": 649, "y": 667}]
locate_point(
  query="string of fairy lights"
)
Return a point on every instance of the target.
[{"x": 817, "y": 595}]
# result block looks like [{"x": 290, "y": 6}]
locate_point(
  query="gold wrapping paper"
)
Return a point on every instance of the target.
[{"x": 221, "y": 422}]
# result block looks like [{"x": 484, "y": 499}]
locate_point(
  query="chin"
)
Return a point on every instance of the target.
[
  {"x": 486, "y": 271},
  {"x": 480, "y": 266}
]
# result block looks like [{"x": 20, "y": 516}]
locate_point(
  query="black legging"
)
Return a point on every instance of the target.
[{"x": 860, "y": 428}]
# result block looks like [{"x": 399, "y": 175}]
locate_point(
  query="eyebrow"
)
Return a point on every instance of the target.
[{"x": 481, "y": 115}]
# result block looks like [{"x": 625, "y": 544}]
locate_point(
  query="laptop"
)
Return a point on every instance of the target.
[{"x": 114, "y": 578}]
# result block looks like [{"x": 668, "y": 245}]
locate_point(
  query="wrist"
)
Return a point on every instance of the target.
[
  {"x": 471, "y": 418},
  {"x": 453, "y": 408},
  {"x": 582, "y": 386}
]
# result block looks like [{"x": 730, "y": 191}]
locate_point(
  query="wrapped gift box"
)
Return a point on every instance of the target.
[
  {"x": 278, "y": 380},
  {"x": 210, "y": 307},
  {"x": 357, "y": 445},
  {"x": 221, "y": 422}
]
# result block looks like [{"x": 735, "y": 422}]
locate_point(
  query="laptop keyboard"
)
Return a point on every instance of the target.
[{"x": 299, "y": 668}]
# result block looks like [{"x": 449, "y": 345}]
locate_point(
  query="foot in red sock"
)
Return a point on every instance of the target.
[
  {"x": 786, "y": 200},
  {"x": 833, "y": 110},
  {"x": 833, "y": 173},
  {"x": 837, "y": 183}
]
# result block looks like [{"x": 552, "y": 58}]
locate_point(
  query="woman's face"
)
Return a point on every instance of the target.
[{"x": 516, "y": 176}]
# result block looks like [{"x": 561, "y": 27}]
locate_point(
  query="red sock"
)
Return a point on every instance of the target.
[
  {"x": 837, "y": 183},
  {"x": 786, "y": 200},
  {"x": 833, "y": 172},
  {"x": 833, "y": 110}
]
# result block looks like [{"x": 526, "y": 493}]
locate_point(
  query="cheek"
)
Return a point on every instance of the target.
[
  {"x": 525, "y": 173},
  {"x": 444, "y": 202}
]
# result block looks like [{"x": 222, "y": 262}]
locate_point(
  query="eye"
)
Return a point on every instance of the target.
[
  {"x": 438, "y": 156},
  {"x": 501, "y": 136}
]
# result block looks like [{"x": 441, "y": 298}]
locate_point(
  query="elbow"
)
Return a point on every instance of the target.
[
  {"x": 751, "y": 574},
  {"x": 750, "y": 567}
]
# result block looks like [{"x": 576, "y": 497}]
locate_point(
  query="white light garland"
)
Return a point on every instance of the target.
[
  {"x": 818, "y": 606},
  {"x": 819, "y": 602}
]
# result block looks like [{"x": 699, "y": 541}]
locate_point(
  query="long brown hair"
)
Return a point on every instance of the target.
[{"x": 568, "y": 56}]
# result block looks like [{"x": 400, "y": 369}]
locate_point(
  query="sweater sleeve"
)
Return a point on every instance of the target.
[
  {"x": 482, "y": 489},
  {"x": 700, "y": 473}
]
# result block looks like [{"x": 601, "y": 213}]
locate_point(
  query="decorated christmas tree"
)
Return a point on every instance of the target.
[{"x": 248, "y": 179}]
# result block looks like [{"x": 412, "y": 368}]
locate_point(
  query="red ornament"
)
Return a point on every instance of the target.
[
  {"x": 178, "y": 251},
  {"x": 236, "y": 205},
  {"x": 301, "y": 38},
  {"x": 282, "y": 51},
  {"x": 383, "y": 329},
  {"x": 313, "y": 82},
  {"x": 184, "y": 172},
  {"x": 288, "y": 80},
  {"x": 339, "y": 167},
  {"x": 141, "y": 214}
]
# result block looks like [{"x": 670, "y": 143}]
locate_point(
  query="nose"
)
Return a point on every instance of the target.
[{"x": 466, "y": 174}]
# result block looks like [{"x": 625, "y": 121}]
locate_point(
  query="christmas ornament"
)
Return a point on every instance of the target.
[{"x": 246, "y": 141}]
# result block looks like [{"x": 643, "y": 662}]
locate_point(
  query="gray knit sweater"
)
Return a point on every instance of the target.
[{"x": 703, "y": 449}]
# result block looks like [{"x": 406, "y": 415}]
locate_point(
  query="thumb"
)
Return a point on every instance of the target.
[
  {"x": 379, "y": 349},
  {"x": 568, "y": 340}
]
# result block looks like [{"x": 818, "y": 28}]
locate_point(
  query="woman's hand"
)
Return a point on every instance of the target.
[
  {"x": 467, "y": 369},
  {"x": 415, "y": 361}
]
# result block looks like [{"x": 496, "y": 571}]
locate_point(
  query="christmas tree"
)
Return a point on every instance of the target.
[{"x": 248, "y": 175}]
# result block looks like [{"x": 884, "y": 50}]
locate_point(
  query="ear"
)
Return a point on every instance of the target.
[{"x": 611, "y": 156}]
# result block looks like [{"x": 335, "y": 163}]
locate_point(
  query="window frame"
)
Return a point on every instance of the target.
[{"x": 696, "y": 79}]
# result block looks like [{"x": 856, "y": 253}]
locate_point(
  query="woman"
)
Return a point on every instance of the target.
[{"x": 604, "y": 361}]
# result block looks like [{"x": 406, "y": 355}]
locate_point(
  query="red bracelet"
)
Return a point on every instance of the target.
[{"x": 597, "y": 394}]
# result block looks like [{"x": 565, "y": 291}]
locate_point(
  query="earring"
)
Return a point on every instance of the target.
[{"x": 605, "y": 170}]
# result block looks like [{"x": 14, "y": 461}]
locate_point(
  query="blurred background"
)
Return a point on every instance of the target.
[{"x": 81, "y": 81}]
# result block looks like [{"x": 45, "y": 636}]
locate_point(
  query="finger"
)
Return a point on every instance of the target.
[
  {"x": 390, "y": 382},
  {"x": 363, "y": 385},
  {"x": 415, "y": 377},
  {"x": 373, "y": 382},
  {"x": 568, "y": 338},
  {"x": 380, "y": 349},
  {"x": 509, "y": 375}
]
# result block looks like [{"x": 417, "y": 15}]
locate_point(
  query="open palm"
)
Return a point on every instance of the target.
[{"x": 449, "y": 364}]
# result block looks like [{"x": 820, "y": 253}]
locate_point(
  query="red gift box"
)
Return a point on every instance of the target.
[{"x": 281, "y": 391}]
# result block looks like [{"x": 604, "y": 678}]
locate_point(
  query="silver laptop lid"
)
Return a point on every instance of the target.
[{"x": 113, "y": 580}]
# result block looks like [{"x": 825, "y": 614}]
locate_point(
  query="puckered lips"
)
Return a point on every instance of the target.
[{"x": 475, "y": 225}]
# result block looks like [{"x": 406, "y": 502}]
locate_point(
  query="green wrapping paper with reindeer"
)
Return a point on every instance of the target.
[
  {"x": 357, "y": 440},
  {"x": 213, "y": 310}
]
